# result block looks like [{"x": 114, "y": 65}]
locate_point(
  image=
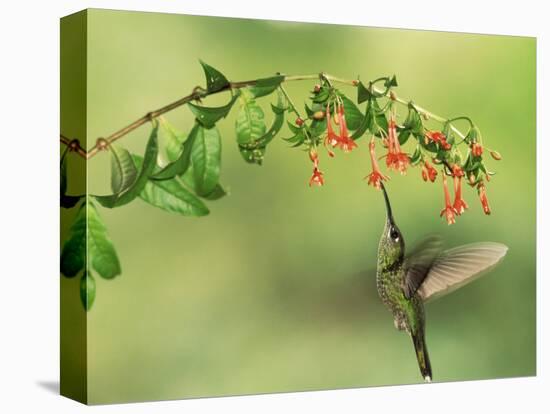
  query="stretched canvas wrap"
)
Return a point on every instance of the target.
[{"x": 260, "y": 206}]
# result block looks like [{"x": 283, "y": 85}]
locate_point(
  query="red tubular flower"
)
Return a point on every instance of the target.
[
  {"x": 483, "y": 198},
  {"x": 376, "y": 176},
  {"x": 331, "y": 138},
  {"x": 449, "y": 211},
  {"x": 346, "y": 143},
  {"x": 428, "y": 172},
  {"x": 342, "y": 141},
  {"x": 317, "y": 176},
  {"x": 395, "y": 159},
  {"x": 438, "y": 137},
  {"x": 459, "y": 204},
  {"x": 477, "y": 149}
]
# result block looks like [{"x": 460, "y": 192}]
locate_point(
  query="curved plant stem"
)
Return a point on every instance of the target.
[
  {"x": 199, "y": 93},
  {"x": 74, "y": 145},
  {"x": 289, "y": 101}
]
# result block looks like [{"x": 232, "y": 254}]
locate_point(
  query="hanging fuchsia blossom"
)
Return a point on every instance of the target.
[
  {"x": 317, "y": 175},
  {"x": 346, "y": 143},
  {"x": 331, "y": 139},
  {"x": 342, "y": 141},
  {"x": 375, "y": 177},
  {"x": 483, "y": 198},
  {"x": 395, "y": 159},
  {"x": 449, "y": 211}
]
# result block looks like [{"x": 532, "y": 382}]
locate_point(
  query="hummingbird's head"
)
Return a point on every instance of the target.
[{"x": 392, "y": 246}]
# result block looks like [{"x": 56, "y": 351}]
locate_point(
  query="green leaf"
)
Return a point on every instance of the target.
[
  {"x": 404, "y": 136},
  {"x": 102, "y": 254},
  {"x": 266, "y": 86},
  {"x": 172, "y": 196},
  {"x": 467, "y": 164},
  {"x": 413, "y": 122},
  {"x": 318, "y": 127},
  {"x": 415, "y": 158},
  {"x": 449, "y": 134},
  {"x": 363, "y": 93},
  {"x": 101, "y": 251},
  {"x": 364, "y": 126},
  {"x": 206, "y": 159},
  {"x": 208, "y": 116},
  {"x": 250, "y": 124},
  {"x": 271, "y": 81},
  {"x": 297, "y": 139},
  {"x": 254, "y": 151},
  {"x": 431, "y": 146},
  {"x": 321, "y": 96},
  {"x": 173, "y": 140},
  {"x": 295, "y": 129},
  {"x": 217, "y": 193},
  {"x": 73, "y": 253},
  {"x": 173, "y": 147},
  {"x": 483, "y": 168},
  {"x": 87, "y": 290},
  {"x": 189, "y": 180},
  {"x": 123, "y": 170},
  {"x": 278, "y": 121},
  {"x": 375, "y": 117},
  {"x": 181, "y": 164},
  {"x": 390, "y": 82},
  {"x": 299, "y": 135},
  {"x": 309, "y": 111},
  {"x": 354, "y": 117},
  {"x": 215, "y": 80},
  {"x": 129, "y": 194}
]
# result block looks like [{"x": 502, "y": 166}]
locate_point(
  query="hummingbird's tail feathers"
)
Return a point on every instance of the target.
[
  {"x": 422, "y": 356},
  {"x": 456, "y": 267}
]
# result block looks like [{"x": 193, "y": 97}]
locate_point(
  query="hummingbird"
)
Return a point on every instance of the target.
[{"x": 406, "y": 282}]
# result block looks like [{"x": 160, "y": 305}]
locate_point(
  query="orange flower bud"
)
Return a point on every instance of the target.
[{"x": 477, "y": 149}]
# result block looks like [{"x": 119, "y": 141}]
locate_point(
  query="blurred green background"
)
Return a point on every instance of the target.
[{"x": 274, "y": 290}]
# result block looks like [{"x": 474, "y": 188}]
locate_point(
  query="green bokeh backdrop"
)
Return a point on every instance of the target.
[{"x": 273, "y": 291}]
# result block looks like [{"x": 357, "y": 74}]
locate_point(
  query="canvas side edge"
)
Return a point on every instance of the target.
[{"x": 73, "y": 124}]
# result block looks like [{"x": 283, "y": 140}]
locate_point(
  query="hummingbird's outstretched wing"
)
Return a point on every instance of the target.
[
  {"x": 419, "y": 262},
  {"x": 458, "y": 266}
]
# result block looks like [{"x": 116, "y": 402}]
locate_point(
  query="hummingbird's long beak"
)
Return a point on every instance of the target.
[{"x": 388, "y": 205}]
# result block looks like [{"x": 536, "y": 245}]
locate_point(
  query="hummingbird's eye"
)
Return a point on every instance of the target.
[{"x": 394, "y": 234}]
